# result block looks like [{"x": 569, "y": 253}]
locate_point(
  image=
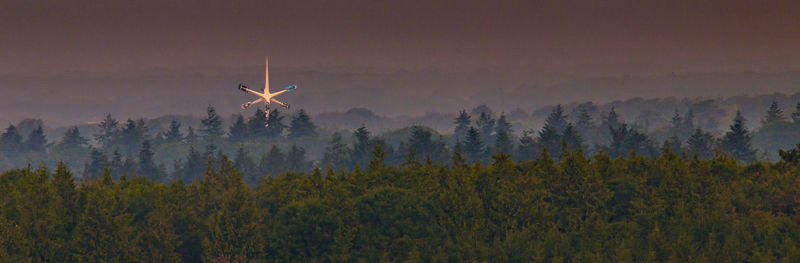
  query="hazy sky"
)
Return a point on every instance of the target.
[
  {"x": 117, "y": 56},
  {"x": 674, "y": 35}
]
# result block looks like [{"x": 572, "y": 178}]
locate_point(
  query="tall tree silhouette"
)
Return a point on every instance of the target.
[
  {"x": 11, "y": 142},
  {"x": 238, "y": 131},
  {"x": 462, "y": 122},
  {"x": 212, "y": 123},
  {"x": 173, "y": 133},
  {"x": 36, "y": 141},
  {"x": 737, "y": 140},
  {"x": 276, "y": 126},
  {"x": 302, "y": 126}
]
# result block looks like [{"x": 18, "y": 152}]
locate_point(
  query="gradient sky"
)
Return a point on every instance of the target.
[{"x": 45, "y": 42}]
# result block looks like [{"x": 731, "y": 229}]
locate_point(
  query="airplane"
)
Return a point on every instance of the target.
[{"x": 266, "y": 96}]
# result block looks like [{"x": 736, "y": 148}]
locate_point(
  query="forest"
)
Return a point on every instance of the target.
[
  {"x": 565, "y": 209},
  {"x": 586, "y": 186}
]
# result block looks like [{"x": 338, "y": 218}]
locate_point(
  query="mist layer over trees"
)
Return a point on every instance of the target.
[{"x": 175, "y": 147}]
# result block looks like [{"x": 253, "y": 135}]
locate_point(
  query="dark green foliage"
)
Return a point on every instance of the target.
[
  {"x": 473, "y": 146},
  {"x": 336, "y": 153},
  {"x": 97, "y": 164},
  {"x": 11, "y": 142},
  {"x": 737, "y": 141},
  {"x": 462, "y": 122},
  {"x": 362, "y": 148},
  {"x": 238, "y": 132},
  {"x": 774, "y": 115},
  {"x": 577, "y": 209},
  {"x": 212, "y": 123},
  {"x": 173, "y": 133},
  {"x": 485, "y": 124},
  {"x": 36, "y": 142},
  {"x": 701, "y": 144},
  {"x": 503, "y": 141},
  {"x": 147, "y": 165},
  {"x": 109, "y": 132},
  {"x": 256, "y": 124},
  {"x": 131, "y": 136},
  {"x": 626, "y": 141},
  {"x": 296, "y": 160},
  {"x": 302, "y": 126},
  {"x": 572, "y": 138},
  {"x": 276, "y": 126},
  {"x": 273, "y": 162}
]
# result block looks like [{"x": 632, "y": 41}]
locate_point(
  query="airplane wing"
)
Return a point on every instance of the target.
[{"x": 266, "y": 76}]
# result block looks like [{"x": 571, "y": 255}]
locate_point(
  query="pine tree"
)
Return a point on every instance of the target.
[
  {"x": 737, "y": 141},
  {"x": 674, "y": 144},
  {"x": 473, "y": 146},
  {"x": 173, "y": 134},
  {"x": 796, "y": 114},
  {"x": 191, "y": 137},
  {"x": 701, "y": 144},
  {"x": 147, "y": 165},
  {"x": 272, "y": 162},
  {"x": 420, "y": 141},
  {"x": 550, "y": 139},
  {"x": 572, "y": 138},
  {"x": 503, "y": 141},
  {"x": 212, "y": 123},
  {"x": 97, "y": 164},
  {"x": 485, "y": 125},
  {"x": 362, "y": 148},
  {"x": 238, "y": 131},
  {"x": 116, "y": 165},
  {"x": 557, "y": 119},
  {"x": 246, "y": 166},
  {"x": 256, "y": 123},
  {"x": 612, "y": 119},
  {"x": 584, "y": 123},
  {"x": 296, "y": 159},
  {"x": 527, "y": 149},
  {"x": 276, "y": 126},
  {"x": 193, "y": 168},
  {"x": 627, "y": 139},
  {"x": 462, "y": 123},
  {"x": 36, "y": 141},
  {"x": 336, "y": 153},
  {"x": 132, "y": 135},
  {"x": 72, "y": 139},
  {"x": 11, "y": 142},
  {"x": 774, "y": 115},
  {"x": 302, "y": 126},
  {"x": 110, "y": 130}
]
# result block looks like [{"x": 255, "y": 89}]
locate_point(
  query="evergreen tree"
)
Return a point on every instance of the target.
[
  {"x": 132, "y": 135},
  {"x": 473, "y": 146},
  {"x": 774, "y": 115},
  {"x": 296, "y": 160},
  {"x": 147, "y": 165},
  {"x": 701, "y": 144},
  {"x": 550, "y": 139},
  {"x": 11, "y": 142},
  {"x": 462, "y": 123},
  {"x": 302, "y": 126},
  {"x": 557, "y": 119},
  {"x": 255, "y": 125},
  {"x": 36, "y": 141},
  {"x": 362, "y": 148},
  {"x": 116, "y": 166},
  {"x": 626, "y": 140},
  {"x": 193, "y": 168},
  {"x": 485, "y": 125},
  {"x": 737, "y": 140},
  {"x": 527, "y": 149},
  {"x": 191, "y": 137},
  {"x": 336, "y": 153},
  {"x": 276, "y": 126},
  {"x": 109, "y": 131},
  {"x": 97, "y": 164},
  {"x": 130, "y": 166},
  {"x": 238, "y": 131},
  {"x": 420, "y": 141},
  {"x": 572, "y": 138},
  {"x": 503, "y": 141},
  {"x": 674, "y": 145},
  {"x": 272, "y": 162},
  {"x": 173, "y": 134},
  {"x": 584, "y": 123},
  {"x": 612, "y": 119},
  {"x": 212, "y": 123},
  {"x": 246, "y": 166},
  {"x": 796, "y": 114},
  {"x": 72, "y": 139}
]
